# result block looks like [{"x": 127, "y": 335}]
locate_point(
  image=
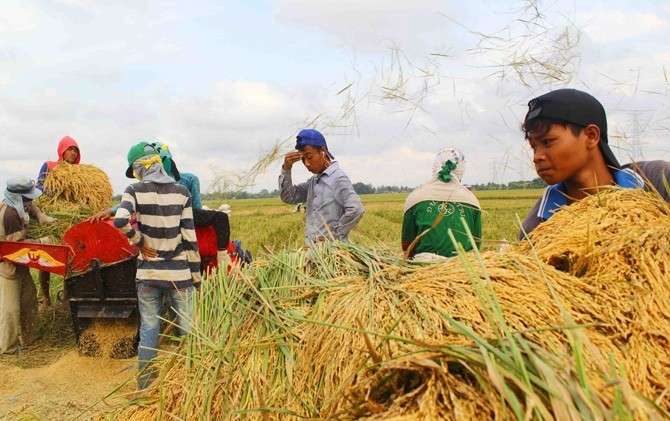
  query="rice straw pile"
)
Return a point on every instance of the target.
[
  {"x": 620, "y": 243},
  {"x": 342, "y": 332},
  {"x": 71, "y": 194},
  {"x": 608, "y": 236}
]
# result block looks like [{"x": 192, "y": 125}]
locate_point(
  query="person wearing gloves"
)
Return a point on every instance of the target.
[
  {"x": 332, "y": 206},
  {"x": 169, "y": 263},
  {"x": 439, "y": 206},
  {"x": 18, "y": 296}
]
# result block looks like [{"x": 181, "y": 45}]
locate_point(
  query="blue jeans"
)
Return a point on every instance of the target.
[{"x": 150, "y": 300}]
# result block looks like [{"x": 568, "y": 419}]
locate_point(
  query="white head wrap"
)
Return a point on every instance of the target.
[
  {"x": 453, "y": 155},
  {"x": 436, "y": 189}
]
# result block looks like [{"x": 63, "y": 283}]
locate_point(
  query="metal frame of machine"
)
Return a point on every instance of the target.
[{"x": 98, "y": 266}]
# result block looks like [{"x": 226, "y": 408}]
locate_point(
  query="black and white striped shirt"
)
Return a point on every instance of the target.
[{"x": 165, "y": 224}]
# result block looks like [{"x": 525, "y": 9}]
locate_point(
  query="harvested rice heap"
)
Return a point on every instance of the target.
[
  {"x": 110, "y": 338},
  {"x": 574, "y": 324},
  {"x": 619, "y": 242},
  {"x": 71, "y": 194}
]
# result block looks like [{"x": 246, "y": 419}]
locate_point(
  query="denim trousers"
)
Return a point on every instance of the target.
[{"x": 150, "y": 300}]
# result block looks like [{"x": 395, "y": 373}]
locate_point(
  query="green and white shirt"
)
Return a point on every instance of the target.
[{"x": 420, "y": 218}]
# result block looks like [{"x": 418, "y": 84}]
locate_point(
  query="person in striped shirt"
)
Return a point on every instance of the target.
[{"x": 169, "y": 264}]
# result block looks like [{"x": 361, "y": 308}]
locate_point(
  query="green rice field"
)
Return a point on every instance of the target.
[{"x": 269, "y": 224}]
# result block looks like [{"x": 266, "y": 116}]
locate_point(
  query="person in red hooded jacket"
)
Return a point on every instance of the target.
[{"x": 68, "y": 151}]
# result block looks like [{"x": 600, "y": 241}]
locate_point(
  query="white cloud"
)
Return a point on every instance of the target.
[
  {"x": 72, "y": 68},
  {"x": 371, "y": 25},
  {"x": 399, "y": 165},
  {"x": 245, "y": 98},
  {"x": 609, "y": 26},
  {"x": 228, "y": 129},
  {"x": 18, "y": 17}
]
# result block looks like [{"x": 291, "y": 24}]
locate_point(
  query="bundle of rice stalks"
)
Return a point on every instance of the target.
[
  {"x": 527, "y": 298},
  {"x": 86, "y": 186},
  {"x": 344, "y": 332},
  {"x": 606, "y": 236},
  {"x": 63, "y": 221},
  {"x": 515, "y": 367},
  {"x": 71, "y": 194},
  {"x": 619, "y": 241},
  {"x": 421, "y": 385},
  {"x": 483, "y": 381},
  {"x": 242, "y": 351}
]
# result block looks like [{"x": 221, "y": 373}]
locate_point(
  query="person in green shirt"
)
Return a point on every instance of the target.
[{"x": 436, "y": 207}]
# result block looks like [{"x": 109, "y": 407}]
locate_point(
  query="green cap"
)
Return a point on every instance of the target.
[{"x": 136, "y": 152}]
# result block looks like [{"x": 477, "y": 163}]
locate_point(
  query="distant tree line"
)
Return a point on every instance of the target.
[
  {"x": 367, "y": 188},
  {"x": 363, "y": 188},
  {"x": 535, "y": 183},
  {"x": 263, "y": 194}
]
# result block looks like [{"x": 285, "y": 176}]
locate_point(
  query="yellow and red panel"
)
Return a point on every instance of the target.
[{"x": 46, "y": 257}]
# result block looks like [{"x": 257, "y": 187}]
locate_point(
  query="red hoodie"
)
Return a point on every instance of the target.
[{"x": 63, "y": 145}]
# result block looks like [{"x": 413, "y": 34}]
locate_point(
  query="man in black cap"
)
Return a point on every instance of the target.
[{"x": 567, "y": 130}]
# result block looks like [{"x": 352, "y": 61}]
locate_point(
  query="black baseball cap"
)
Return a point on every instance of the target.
[{"x": 576, "y": 107}]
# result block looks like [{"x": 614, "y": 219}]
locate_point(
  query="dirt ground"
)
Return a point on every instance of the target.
[
  {"x": 72, "y": 387},
  {"x": 50, "y": 380}
]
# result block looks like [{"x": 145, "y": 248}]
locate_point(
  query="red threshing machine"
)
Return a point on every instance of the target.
[{"x": 98, "y": 267}]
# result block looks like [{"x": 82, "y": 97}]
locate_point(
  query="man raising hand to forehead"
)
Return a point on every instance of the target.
[{"x": 333, "y": 207}]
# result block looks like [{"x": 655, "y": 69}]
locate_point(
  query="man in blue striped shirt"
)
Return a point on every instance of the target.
[{"x": 169, "y": 263}]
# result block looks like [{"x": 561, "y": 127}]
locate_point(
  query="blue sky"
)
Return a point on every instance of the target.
[{"x": 221, "y": 82}]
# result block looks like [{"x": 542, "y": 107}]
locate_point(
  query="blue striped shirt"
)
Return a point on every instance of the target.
[{"x": 165, "y": 224}]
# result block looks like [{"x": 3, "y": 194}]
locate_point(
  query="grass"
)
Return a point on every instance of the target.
[{"x": 272, "y": 225}]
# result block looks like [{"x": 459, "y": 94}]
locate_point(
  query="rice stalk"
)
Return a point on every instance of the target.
[
  {"x": 72, "y": 193},
  {"x": 340, "y": 331}
]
